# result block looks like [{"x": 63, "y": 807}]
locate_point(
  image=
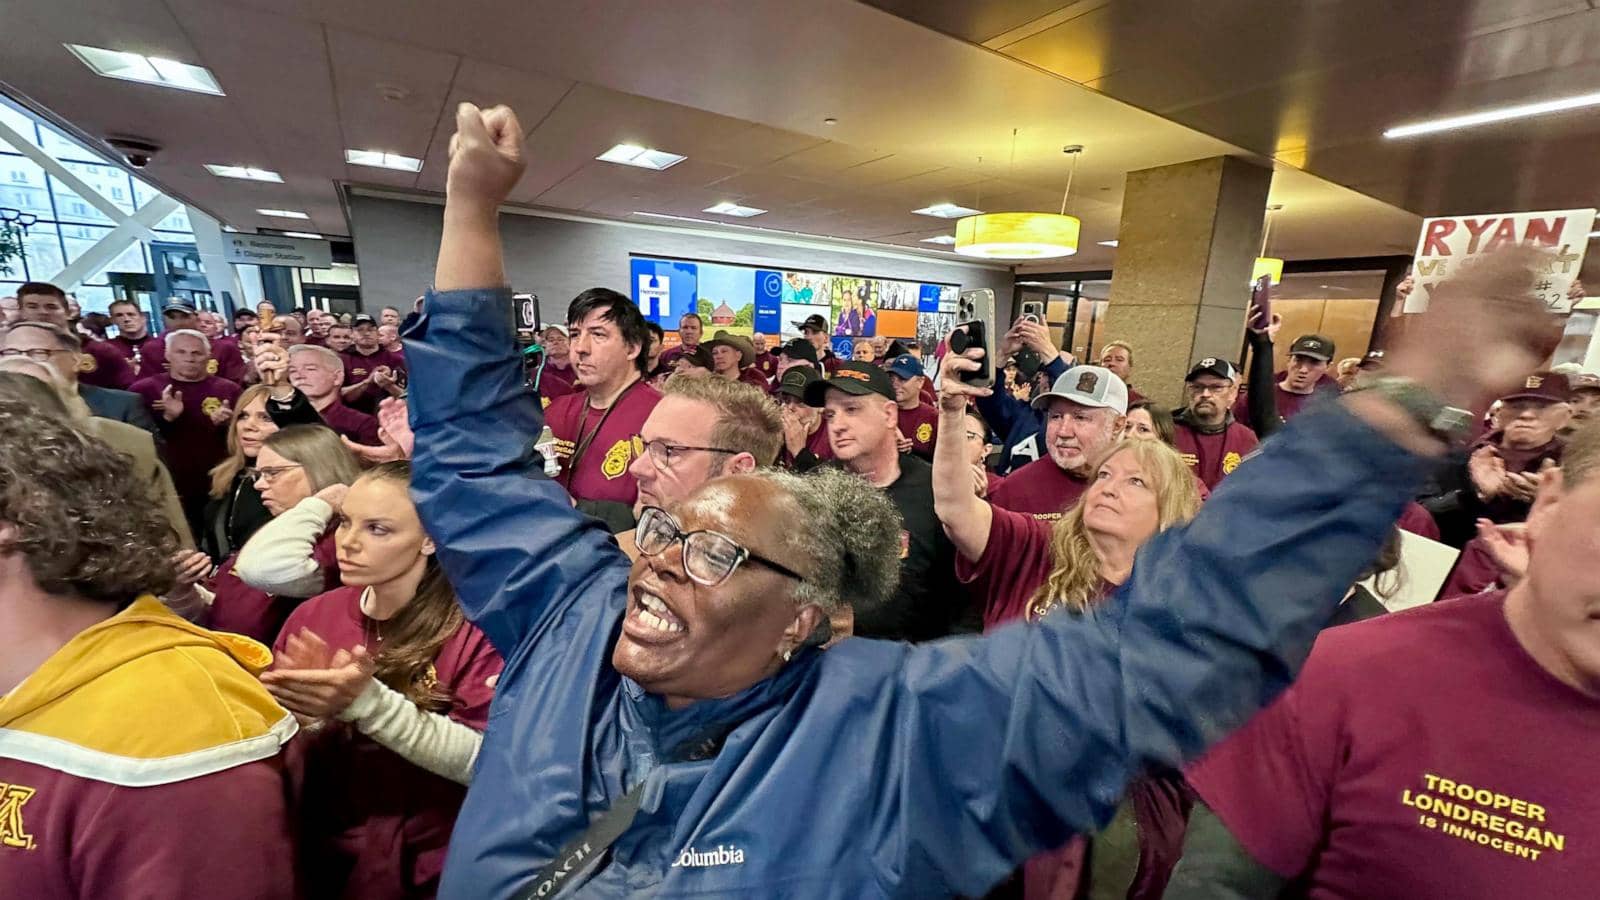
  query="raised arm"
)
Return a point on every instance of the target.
[
  {"x": 514, "y": 548},
  {"x": 1031, "y": 733},
  {"x": 966, "y": 516}
]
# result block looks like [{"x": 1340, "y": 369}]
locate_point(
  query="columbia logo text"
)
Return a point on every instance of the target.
[{"x": 721, "y": 856}]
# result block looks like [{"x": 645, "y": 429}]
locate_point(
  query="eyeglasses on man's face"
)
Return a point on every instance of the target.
[
  {"x": 666, "y": 455},
  {"x": 38, "y": 354},
  {"x": 709, "y": 557}
]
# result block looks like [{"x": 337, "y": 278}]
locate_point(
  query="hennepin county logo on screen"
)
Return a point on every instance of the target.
[{"x": 722, "y": 856}]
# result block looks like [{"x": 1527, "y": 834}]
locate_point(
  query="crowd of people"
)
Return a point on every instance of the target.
[{"x": 389, "y": 607}]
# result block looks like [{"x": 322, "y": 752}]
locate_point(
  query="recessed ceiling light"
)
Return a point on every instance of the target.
[
  {"x": 155, "y": 70},
  {"x": 303, "y": 234},
  {"x": 642, "y": 157},
  {"x": 381, "y": 160},
  {"x": 940, "y": 239},
  {"x": 1108, "y": 243},
  {"x": 734, "y": 209},
  {"x": 946, "y": 211},
  {"x": 283, "y": 213},
  {"x": 247, "y": 173},
  {"x": 1498, "y": 114},
  {"x": 830, "y": 121}
]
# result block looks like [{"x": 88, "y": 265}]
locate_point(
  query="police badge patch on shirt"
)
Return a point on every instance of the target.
[
  {"x": 617, "y": 458},
  {"x": 924, "y": 432},
  {"x": 211, "y": 367}
]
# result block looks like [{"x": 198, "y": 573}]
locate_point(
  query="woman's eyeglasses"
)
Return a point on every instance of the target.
[
  {"x": 267, "y": 474},
  {"x": 709, "y": 557}
]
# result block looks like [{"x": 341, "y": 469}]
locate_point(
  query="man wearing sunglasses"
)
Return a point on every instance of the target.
[{"x": 654, "y": 734}]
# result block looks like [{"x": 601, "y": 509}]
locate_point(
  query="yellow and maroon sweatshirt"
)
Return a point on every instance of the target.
[{"x": 142, "y": 760}]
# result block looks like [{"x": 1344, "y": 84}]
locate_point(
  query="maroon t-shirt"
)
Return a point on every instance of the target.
[
  {"x": 353, "y": 424},
  {"x": 1416, "y": 519},
  {"x": 242, "y": 609},
  {"x": 1214, "y": 456},
  {"x": 610, "y": 442},
  {"x": 1041, "y": 489},
  {"x": 74, "y": 838},
  {"x": 193, "y": 442},
  {"x": 374, "y": 825},
  {"x": 103, "y": 365},
  {"x": 229, "y": 361},
  {"x": 1475, "y": 572},
  {"x": 1013, "y": 565},
  {"x": 752, "y": 376},
  {"x": 358, "y": 365},
  {"x": 556, "y": 382},
  {"x": 1289, "y": 404},
  {"x": 1420, "y": 754},
  {"x": 767, "y": 365},
  {"x": 921, "y": 427},
  {"x": 147, "y": 354}
]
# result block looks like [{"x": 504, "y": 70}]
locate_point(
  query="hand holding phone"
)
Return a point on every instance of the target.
[{"x": 975, "y": 313}]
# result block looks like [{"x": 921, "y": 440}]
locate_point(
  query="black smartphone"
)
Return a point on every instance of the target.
[{"x": 975, "y": 313}]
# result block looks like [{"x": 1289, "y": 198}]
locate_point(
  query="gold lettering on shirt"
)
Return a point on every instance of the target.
[
  {"x": 13, "y": 833},
  {"x": 1189, "y": 459},
  {"x": 1482, "y": 816}
]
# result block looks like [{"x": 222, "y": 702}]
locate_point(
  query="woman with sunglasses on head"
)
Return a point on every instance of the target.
[
  {"x": 394, "y": 686},
  {"x": 301, "y": 473}
]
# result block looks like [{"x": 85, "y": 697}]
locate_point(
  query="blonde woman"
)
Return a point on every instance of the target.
[{"x": 1022, "y": 567}]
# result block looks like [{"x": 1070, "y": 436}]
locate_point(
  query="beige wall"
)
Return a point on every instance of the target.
[{"x": 1346, "y": 322}]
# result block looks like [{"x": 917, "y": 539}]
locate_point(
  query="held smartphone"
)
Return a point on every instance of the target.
[
  {"x": 1261, "y": 298},
  {"x": 975, "y": 318},
  {"x": 1033, "y": 311}
]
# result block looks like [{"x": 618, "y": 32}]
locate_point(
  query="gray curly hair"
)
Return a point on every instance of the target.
[{"x": 850, "y": 529}]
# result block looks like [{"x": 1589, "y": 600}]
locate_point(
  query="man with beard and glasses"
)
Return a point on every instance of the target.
[{"x": 1209, "y": 439}]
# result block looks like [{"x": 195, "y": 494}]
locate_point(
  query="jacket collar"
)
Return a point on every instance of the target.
[{"x": 658, "y": 735}]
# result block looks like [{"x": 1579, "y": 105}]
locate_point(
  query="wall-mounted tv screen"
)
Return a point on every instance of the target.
[{"x": 748, "y": 299}]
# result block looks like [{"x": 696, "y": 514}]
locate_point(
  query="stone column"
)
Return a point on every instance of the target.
[{"x": 1189, "y": 238}]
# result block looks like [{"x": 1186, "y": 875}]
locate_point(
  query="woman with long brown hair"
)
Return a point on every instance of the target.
[{"x": 395, "y": 685}]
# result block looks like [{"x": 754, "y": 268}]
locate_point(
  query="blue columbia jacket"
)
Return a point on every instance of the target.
[{"x": 871, "y": 769}]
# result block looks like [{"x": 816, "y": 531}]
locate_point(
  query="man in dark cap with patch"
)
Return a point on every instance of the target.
[
  {"x": 860, "y": 415},
  {"x": 1207, "y": 437},
  {"x": 815, "y": 329},
  {"x": 1304, "y": 376},
  {"x": 803, "y": 431}
]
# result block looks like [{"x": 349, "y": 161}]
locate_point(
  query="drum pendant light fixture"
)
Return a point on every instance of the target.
[
  {"x": 1022, "y": 235},
  {"x": 1267, "y": 265}
]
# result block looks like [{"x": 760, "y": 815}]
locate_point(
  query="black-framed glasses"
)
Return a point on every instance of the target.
[
  {"x": 709, "y": 557},
  {"x": 268, "y": 473},
  {"x": 666, "y": 455}
]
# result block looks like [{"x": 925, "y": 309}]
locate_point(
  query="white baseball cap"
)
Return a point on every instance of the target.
[{"x": 1090, "y": 386}]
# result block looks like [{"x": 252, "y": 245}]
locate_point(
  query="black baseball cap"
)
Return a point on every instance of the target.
[
  {"x": 812, "y": 323},
  {"x": 800, "y": 350},
  {"x": 362, "y": 319},
  {"x": 175, "y": 305},
  {"x": 1211, "y": 365},
  {"x": 858, "y": 378},
  {"x": 1313, "y": 345},
  {"x": 795, "y": 381}
]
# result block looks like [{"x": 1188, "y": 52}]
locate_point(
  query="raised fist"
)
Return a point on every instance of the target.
[{"x": 486, "y": 156}]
